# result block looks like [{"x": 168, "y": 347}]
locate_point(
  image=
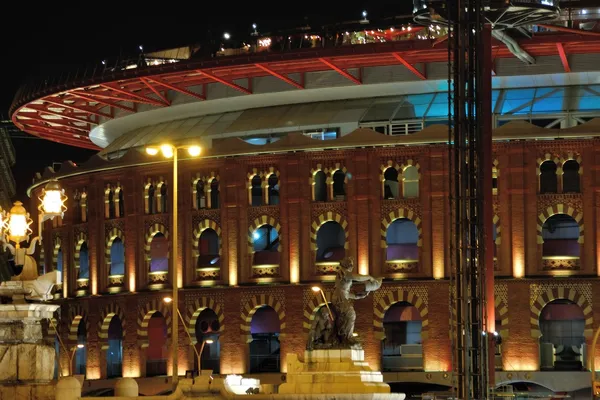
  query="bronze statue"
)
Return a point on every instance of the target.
[{"x": 344, "y": 314}]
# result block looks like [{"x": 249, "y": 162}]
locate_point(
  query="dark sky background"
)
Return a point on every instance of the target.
[{"x": 37, "y": 41}]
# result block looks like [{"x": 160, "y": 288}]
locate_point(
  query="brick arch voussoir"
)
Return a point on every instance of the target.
[
  {"x": 113, "y": 234},
  {"x": 194, "y": 311},
  {"x": 394, "y": 215},
  {"x": 561, "y": 293},
  {"x": 327, "y": 217},
  {"x": 79, "y": 240},
  {"x": 559, "y": 209},
  {"x": 196, "y": 233},
  {"x": 394, "y": 297},
  {"x": 77, "y": 315},
  {"x": 110, "y": 311},
  {"x": 257, "y": 223},
  {"x": 501, "y": 310},
  {"x": 145, "y": 313},
  {"x": 254, "y": 303}
]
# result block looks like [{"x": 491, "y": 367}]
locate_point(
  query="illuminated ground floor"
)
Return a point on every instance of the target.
[{"x": 543, "y": 332}]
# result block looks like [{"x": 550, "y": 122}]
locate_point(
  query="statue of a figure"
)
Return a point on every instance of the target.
[
  {"x": 321, "y": 332},
  {"x": 343, "y": 308}
]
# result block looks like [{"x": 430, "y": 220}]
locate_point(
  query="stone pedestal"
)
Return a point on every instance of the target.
[
  {"x": 25, "y": 358},
  {"x": 334, "y": 372}
]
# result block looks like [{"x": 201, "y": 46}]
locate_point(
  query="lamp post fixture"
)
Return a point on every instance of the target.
[
  {"x": 169, "y": 151},
  {"x": 206, "y": 341},
  {"x": 73, "y": 351},
  {"x": 15, "y": 225},
  {"x": 318, "y": 289}
]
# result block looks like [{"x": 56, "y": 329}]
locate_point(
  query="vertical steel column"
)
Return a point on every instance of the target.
[{"x": 467, "y": 139}]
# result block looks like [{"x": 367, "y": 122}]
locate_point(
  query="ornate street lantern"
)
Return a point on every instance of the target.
[
  {"x": 18, "y": 224},
  {"x": 52, "y": 201}
]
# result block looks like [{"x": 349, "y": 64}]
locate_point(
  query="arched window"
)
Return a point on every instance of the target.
[
  {"x": 114, "y": 353},
  {"x": 156, "y": 353},
  {"x": 331, "y": 240},
  {"x": 390, "y": 184},
  {"x": 164, "y": 197},
  {"x": 151, "y": 200},
  {"x": 84, "y": 262},
  {"x": 208, "y": 249},
  {"x": 200, "y": 195},
  {"x": 159, "y": 253},
  {"x": 265, "y": 240},
  {"x": 111, "y": 204},
  {"x": 59, "y": 260},
  {"x": 339, "y": 185},
  {"x": 562, "y": 344},
  {"x": 214, "y": 194},
  {"x": 207, "y": 328},
  {"x": 320, "y": 186},
  {"x": 561, "y": 234},
  {"x": 121, "y": 203},
  {"x": 117, "y": 257},
  {"x": 81, "y": 352},
  {"x": 402, "y": 239},
  {"x": 571, "y": 177},
  {"x": 410, "y": 182},
  {"x": 264, "y": 347},
  {"x": 402, "y": 349},
  {"x": 256, "y": 191},
  {"x": 273, "y": 187},
  {"x": 548, "y": 181}
]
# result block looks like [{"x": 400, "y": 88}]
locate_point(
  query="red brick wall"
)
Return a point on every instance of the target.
[{"x": 516, "y": 204}]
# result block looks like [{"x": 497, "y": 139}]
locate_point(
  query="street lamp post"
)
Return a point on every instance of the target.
[
  {"x": 318, "y": 289},
  {"x": 170, "y": 151},
  {"x": 206, "y": 341},
  {"x": 73, "y": 351}
]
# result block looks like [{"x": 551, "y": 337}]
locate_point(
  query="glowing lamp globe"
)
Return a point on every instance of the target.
[
  {"x": 18, "y": 223},
  {"x": 52, "y": 202}
]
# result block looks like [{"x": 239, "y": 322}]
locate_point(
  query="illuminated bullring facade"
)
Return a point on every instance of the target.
[
  {"x": 248, "y": 242},
  {"x": 301, "y": 169}
]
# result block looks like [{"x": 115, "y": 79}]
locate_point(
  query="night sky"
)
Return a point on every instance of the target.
[{"x": 37, "y": 41}]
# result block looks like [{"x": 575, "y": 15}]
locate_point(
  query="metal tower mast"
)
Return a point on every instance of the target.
[{"x": 470, "y": 168}]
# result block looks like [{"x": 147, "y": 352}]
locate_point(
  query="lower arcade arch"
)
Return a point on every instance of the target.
[
  {"x": 207, "y": 332},
  {"x": 80, "y": 348},
  {"x": 562, "y": 339},
  {"x": 114, "y": 351},
  {"x": 157, "y": 351},
  {"x": 264, "y": 346},
  {"x": 402, "y": 349}
]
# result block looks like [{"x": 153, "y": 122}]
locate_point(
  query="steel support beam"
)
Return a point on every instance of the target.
[
  {"x": 225, "y": 82},
  {"x": 176, "y": 89},
  {"x": 340, "y": 71},
  {"x": 563, "y": 57},
  {"x": 102, "y": 101},
  {"x": 569, "y": 30},
  {"x": 37, "y": 117},
  {"x": 78, "y": 108},
  {"x": 410, "y": 67},
  {"x": 142, "y": 99},
  {"x": 155, "y": 91},
  {"x": 278, "y": 75}
]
